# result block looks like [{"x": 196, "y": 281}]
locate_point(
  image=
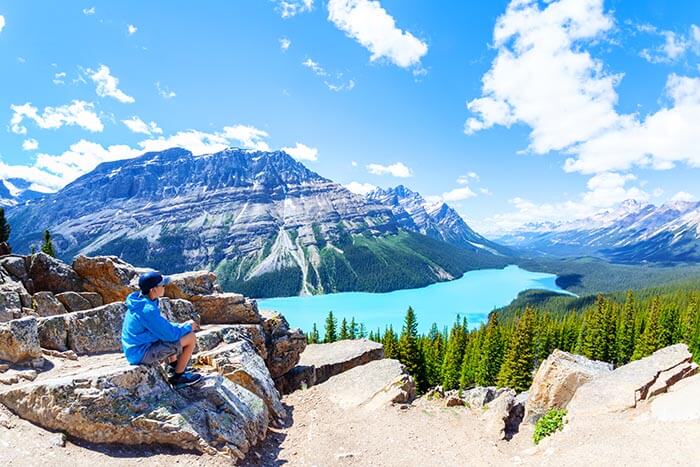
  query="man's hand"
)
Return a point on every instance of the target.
[{"x": 195, "y": 325}]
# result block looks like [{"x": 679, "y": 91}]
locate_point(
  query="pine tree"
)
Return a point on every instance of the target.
[
  {"x": 454, "y": 354},
  {"x": 352, "y": 331},
  {"x": 690, "y": 320},
  {"x": 516, "y": 371},
  {"x": 491, "y": 355},
  {"x": 313, "y": 337},
  {"x": 362, "y": 332},
  {"x": 344, "y": 334},
  {"x": 391, "y": 343},
  {"x": 409, "y": 351},
  {"x": 651, "y": 338},
  {"x": 47, "y": 246},
  {"x": 625, "y": 333},
  {"x": 4, "y": 227},
  {"x": 330, "y": 331},
  {"x": 433, "y": 353}
]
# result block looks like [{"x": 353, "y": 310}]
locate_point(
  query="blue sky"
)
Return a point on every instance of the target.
[{"x": 512, "y": 112}]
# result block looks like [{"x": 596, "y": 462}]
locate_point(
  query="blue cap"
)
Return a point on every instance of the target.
[{"x": 152, "y": 279}]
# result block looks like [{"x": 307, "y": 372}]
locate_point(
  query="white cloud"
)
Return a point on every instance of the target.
[
  {"x": 59, "y": 78},
  {"x": 315, "y": 67},
  {"x": 458, "y": 194},
  {"x": 353, "y": 163},
  {"x": 291, "y": 8},
  {"x": 370, "y": 25},
  {"x": 89, "y": 11},
  {"x": 79, "y": 113},
  {"x": 285, "y": 44},
  {"x": 302, "y": 152},
  {"x": 335, "y": 83},
  {"x": 107, "y": 85},
  {"x": 2, "y": 22},
  {"x": 30, "y": 144},
  {"x": 360, "y": 188},
  {"x": 485, "y": 191},
  {"x": 684, "y": 196},
  {"x": 131, "y": 29},
  {"x": 249, "y": 137},
  {"x": 675, "y": 45},
  {"x": 397, "y": 170},
  {"x": 164, "y": 91},
  {"x": 197, "y": 142},
  {"x": 464, "y": 179},
  {"x": 339, "y": 87},
  {"x": 137, "y": 125}
]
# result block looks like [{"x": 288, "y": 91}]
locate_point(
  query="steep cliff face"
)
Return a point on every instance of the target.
[{"x": 265, "y": 222}]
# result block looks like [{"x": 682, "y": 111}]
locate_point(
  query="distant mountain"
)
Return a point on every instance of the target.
[
  {"x": 265, "y": 222},
  {"x": 632, "y": 233},
  {"x": 436, "y": 220},
  {"x": 15, "y": 191}
]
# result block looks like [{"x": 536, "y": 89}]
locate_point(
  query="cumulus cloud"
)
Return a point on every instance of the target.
[
  {"x": 285, "y": 44},
  {"x": 302, "y": 152},
  {"x": 136, "y": 125},
  {"x": 367, "y": 22},
  {"x": 164, "y": 91},
  {"x": 30, "y": 144},
  {"x": 360, "y": 188},
  {"x": 131, "y": 29},
  {"x": 399, "y": 169},
  {"x": 77, "y": 113},
  {"x": 685, "y": 197},
  {"x": 108, "y": 85},
  {"x": 249, "y": 137},
  {"x": 674, "y": 46},
  {"x": 458, "y": 194},
  {"x": 291, "y": 8}
]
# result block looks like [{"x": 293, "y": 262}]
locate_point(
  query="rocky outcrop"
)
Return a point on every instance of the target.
[
  {"x": 225, "y": 308},
  {"x": 49, "y": 274},
  {"x": 319, "y": 362},
  {"x": 680, "y": 404},
  {"x": 371, "y": 385},
  {"x": 628, "y": 385},
  {"x": 109, "y": 276},
  {"x": 480, "y": 396},
  {"x": 212, "y": 335},
  {"x": 192, "y": 285},
  {"x": 84, "y": 332},
  {"x": 284, "y": 345},
  {"x": 119, "y": 403},
  {"x": 74, "y": 301},
  {"x": 558, "y": 378},
  {"x": 503, "y": 415},
  {"x": 178, "y": 310},
  {"x": 19, "y": 340},
  {"x": 13, "y": 295},
  {"x": 46, "y": 304},
  {"x": 240, "y": 363}
]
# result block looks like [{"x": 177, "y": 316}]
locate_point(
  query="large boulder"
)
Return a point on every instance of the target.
[
  {"x": 558, "y": 378},
  {"x": 85, "y": 332},
  {"x": 52, "y": 275},
  {"x": 192, "y": 285},
  {"x": 284, "y": 345},
  {"x": 133, "y": 405},
  {"x": 16, "y": 266},
  {"x": 214, "y": 334},
  {"x": 368, "y": 386},
  {"x": 19, "y": 340},
  {"x": 109, "y": 276},
  {"x": 178, "y": 310},
  {"x": 74, "y": 301},
  {"x": 319, "y": 362},
  {"x": 13, "y": 297},
  {"x": 502, "y": 416},
  {"x": 240, "y": 363},
  {"x": 479, "y": 396},
  {"x": 630, "y": 384},
  {"x": 227, "y": 308},
  {"x": 46, "y": 304}
]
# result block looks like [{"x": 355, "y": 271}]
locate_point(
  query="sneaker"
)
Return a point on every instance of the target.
[
  {"x": 170, "y": 369},
  {"x": 185, "y": 379}
]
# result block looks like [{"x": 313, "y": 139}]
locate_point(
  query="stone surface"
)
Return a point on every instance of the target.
[
  {"x": 214, "y": 334},
  {"x": 107, "y": 275},
  {"x": 498, "y": 416},
  {"x": 46, "y": 304},
  {"x": 453, "y": 401},
  {"x": 558, "y": 378},
  {"x": 284, "y": 345},
  {"x": 627, "y": 385},
  {"x": 178, "y": 310},
  {"x": 13, "y": 297},
  {"x": 119, "y": 403},
  {"x": 5, "y": 249},
  {"x": 52, "y": 275},
  {"x": 16, "y": 266},
  {"x": 19, "y": 340},
  {"x": 227, "y": 308},
  {"x": 94, "y": 298},
  {"x": 481, "y": 395},
  {"x": 240, "y": 363},
  {"x": 74, "y": 301},
  {"x": 85, "y": 332},
  {"x": 681, "y": 403},
  {"x": 376, "y": 383},
  {"x": 192, "y": 285}
]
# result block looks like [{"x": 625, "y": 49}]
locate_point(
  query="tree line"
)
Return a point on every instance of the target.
[{"x": 506, "y": 350}]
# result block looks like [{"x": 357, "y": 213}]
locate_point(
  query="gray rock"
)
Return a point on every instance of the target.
[
  {"x": 19, "y": 340},
  {"x": 74, "y": 301},
  {"x": 108, "y": 276},
  {"x": 178, "y": 310},
  {"x": 94, "y": 298},
  {"x": 227, "y": 308},
  {"x": 133, "y": 405},
  {"x": 498, "y": 416},
  {"x": 284, "y": 345},
  {"x": 16, "y": 266},
  {"x": 214, "y": 334},
  {"x": 558, "y": 378},
  {"x": 46, "y": 304},
  {"x": 480, "y": 396},
  {"x": 192, "y": 285},
  {"x": 52, "y": 275}
]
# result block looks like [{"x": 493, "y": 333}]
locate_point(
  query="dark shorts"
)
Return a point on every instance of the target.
[{"x": 159, "y": 351}]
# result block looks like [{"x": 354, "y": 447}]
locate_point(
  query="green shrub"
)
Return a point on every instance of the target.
[{"x": 548, "y": 424}]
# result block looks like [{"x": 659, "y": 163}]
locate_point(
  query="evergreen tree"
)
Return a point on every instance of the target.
[
  {"x": 454, "y": 354},
  {"x": 409, "y": 351},
  {"x": 47, "y": 246},
  {"x": 651, "y": 338},
  {"x": 516, "y": 371},
  {"x": 362, "y": 332},
  {"x": 471, "y": 359},
  {"x": 352, "y": 331},
  {"x": 344, "y": 334},
  {"x": 491, "y": 354},
  {"x": 4, "y": 227},
  {"x": 330, "y": 331},
  {"x": 313, "y": 337},
  {"x": 391, "y": 343},
  {"x": 433, "y": 353},
  {"x": 625, "y": 333},
  {"x": 690, "y": 321}
]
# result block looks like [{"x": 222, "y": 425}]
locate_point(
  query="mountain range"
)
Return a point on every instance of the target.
[
  {"x": 266, "y": 223},
  {"x": 634, "y": 232},
  {"x": 15, "y": 191}
]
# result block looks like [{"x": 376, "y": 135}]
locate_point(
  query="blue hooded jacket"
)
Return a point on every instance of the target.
[{"x": 144, "y": 325}]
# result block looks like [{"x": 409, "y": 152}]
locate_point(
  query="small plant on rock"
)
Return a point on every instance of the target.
[{"x": 548, "y": 424}]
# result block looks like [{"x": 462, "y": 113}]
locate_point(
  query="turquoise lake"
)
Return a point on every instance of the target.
[{"x": 473, "y": 295}]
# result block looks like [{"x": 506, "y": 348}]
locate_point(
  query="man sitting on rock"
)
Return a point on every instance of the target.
[{"x": 147, "y": 337}]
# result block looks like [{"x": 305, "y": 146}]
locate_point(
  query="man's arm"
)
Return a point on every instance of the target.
[{"x": 161, "y": 327}]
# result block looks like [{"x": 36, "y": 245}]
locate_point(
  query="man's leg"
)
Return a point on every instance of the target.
[{"x": 188, "y": 342}]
